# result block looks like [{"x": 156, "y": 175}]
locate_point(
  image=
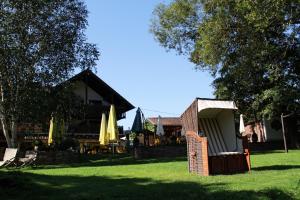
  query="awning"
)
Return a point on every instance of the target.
[{"x": 211, "y": 107}]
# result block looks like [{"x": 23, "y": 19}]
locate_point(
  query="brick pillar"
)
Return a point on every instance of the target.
[{"x": 205, "y": 169}]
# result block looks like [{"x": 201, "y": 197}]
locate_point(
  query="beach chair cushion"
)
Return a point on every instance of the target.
[{"x": 212, "y": 130}]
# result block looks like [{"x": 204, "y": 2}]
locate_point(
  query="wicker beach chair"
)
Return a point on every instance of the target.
[{"x": 213, "y": 147}]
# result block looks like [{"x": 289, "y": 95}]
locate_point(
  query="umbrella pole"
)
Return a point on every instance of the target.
[{"x": 283, "y": 134}]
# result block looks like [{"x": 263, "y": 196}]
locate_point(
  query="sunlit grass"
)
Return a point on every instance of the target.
[{"x": 274, "y": 175}]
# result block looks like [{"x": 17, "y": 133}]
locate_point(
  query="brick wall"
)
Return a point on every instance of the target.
[
  {"x": 57, "y": 157},
  {"x": 159, "y": 151}
]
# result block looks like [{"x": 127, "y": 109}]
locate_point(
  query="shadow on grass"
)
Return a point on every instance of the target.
[
  {"x": 267, "y": 152},
  {"x": 276, "y": 167},
  {"x": 108, "y": 160},
  {"x": 19, "y": 185}
]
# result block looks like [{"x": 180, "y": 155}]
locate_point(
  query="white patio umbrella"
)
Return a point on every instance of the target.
[
  {"x": 123, "y": 138},
  {"x": 159, "y": 129},
  {"x": 242, "y": 126}
]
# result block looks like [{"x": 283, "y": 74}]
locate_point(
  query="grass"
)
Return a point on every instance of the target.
[{"x": 275, "y": 175}]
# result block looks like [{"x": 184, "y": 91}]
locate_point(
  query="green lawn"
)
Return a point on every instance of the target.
[{"x": 275, "y": 175}]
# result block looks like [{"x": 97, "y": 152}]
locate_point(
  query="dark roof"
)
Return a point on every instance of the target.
[
  {"x": 166, "y": 121},
  {"x": 103, "y": 89}
]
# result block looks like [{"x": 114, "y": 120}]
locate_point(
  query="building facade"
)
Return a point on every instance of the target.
[{"x": 95, "y": 96}]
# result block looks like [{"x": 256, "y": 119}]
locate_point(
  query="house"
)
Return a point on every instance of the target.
[
  {"x": 172, "y": 128},
  {"x": 96, "y": 96},
  {"x": 263, "y": 131},
  {"x": 172, "y": 125},
  {"x": 269, "y": 135}
]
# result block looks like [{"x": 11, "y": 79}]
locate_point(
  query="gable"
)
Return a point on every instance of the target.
[{"x": 87, "y": 94}]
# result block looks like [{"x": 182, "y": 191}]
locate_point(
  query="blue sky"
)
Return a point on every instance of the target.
[{"x": 136, "y": 66}]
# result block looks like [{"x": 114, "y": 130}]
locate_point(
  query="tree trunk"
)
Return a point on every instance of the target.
[
  {"x": 5, "y": 132},
  {"x": 5, "y": 129},
  {"x": 13, "y": 131}
]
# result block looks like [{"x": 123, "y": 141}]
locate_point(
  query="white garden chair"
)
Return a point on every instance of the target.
[{"x": 9, "y": 157}]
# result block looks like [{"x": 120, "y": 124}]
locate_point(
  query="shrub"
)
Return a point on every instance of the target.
[{"x": 69, "y": 143}]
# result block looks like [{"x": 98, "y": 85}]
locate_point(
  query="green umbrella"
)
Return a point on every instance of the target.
[{"x": 137, "y": 126}]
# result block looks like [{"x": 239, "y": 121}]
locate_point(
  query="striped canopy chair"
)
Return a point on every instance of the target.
[{"x": 213, "y": 145}]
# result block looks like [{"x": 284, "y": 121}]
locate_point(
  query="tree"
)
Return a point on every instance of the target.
[
  {"x": 252, "y": 48},
  {"x": 149, "y": 126},
  {"x": 41, "y": 44}
]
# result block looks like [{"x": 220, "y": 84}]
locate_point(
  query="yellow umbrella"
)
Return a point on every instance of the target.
[
  {"x": 50, "y": 139},
  {"x": 103, "y": 137},
  {"x": 112, "y": 129}
]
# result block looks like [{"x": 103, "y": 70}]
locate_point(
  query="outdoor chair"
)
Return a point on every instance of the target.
[
  {"x": 212, "y": 144},
  {"x": 29, "y": 159},
  {"x": 9, "y": 157}
]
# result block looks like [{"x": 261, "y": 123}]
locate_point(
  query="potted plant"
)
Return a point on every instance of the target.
[{"x": 36, "y": 144}]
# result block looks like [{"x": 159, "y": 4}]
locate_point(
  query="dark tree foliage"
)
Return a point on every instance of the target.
[
  {"x": 41, "y": 44},
  {"x": 252, "y": 48}
]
